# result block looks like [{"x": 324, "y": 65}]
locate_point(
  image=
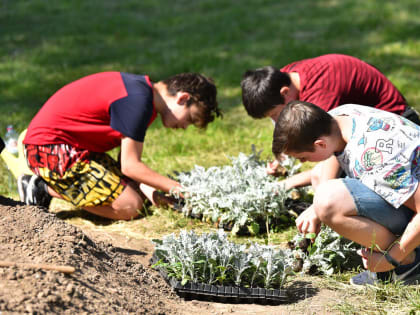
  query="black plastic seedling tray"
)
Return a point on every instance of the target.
[{"x": 224, "y": 294}]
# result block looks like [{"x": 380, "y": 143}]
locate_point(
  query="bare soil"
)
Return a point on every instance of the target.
[{"x": 112, "y": 273}]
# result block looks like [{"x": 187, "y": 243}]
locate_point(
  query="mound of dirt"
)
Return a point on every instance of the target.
[{"x": 107, "y": 280}]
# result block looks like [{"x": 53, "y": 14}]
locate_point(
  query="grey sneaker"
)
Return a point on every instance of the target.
[
  {"x": 33, "y": 191},
  {"x": 364, "y": 278},
  {"x": 407, "y": 274},
  {"x": 404, "y": 273}
]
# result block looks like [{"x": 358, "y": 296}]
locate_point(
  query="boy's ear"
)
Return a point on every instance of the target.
[
  {"x": 320, "y": 143},
  {"x": 284, "y": 90},
  {"x": 182, "y": 98}
]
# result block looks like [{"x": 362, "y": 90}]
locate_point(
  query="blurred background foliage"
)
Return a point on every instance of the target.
[{"x": 46, "y": 44}]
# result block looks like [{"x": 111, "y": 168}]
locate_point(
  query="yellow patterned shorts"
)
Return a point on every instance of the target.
[{"x": 84, "y": 178}]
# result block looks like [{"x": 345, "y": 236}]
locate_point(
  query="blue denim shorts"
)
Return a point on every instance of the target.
[{"x": 372, "y": 206}]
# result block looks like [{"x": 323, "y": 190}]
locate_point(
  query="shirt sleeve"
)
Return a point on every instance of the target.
[{"x": 131, "y": 115}]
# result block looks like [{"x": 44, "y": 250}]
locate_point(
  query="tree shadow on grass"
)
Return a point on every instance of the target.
[{"x": 48, "y": 44}]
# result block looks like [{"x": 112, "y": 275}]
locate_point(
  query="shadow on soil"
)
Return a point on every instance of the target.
[{"x": 301, "y": 290}]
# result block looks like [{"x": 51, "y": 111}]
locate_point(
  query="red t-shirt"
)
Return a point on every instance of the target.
[
  {"x": 95, "y": 112},
  {"x": 331, "y": 80}
]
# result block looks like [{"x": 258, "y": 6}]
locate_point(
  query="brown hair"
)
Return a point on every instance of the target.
[
  {"x": 203, "y": 94},
  {"x": 298, "y": 126}
]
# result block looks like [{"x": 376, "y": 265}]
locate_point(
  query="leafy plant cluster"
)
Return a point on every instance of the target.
[
  {"x": 240, "y": 194},
  {"x": 212, "y": 259},
  {"x": 329, "y": 253}
]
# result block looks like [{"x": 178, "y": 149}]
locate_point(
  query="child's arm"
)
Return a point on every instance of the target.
[
  {"x": 298, "y": 180},
  {"x": 323, "y": 171},
  {"x": 326, "y": 170},
  {"x": 134, "y": 168},
  {"x": 410, "y": 239},
  {"x": 403, "y": 250}
]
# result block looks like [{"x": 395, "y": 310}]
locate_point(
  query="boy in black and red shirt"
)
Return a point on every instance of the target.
[
  {"x": 327, "y": 81},
  {"x": 67, "y": 141}
]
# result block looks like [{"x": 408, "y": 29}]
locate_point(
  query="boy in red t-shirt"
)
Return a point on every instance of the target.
[
  {"x": 327, "y": 81},
  {"x": 67, "y": 141}
]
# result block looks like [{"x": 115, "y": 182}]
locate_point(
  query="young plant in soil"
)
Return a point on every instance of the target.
[
  {"x": 328, "y": 254},
  {"x": 211, "y": 258},
  {"x": 238, "y": 195}
]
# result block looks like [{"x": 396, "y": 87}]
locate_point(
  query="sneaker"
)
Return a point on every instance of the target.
[
  {"x": 364, "y": 278},
  {"x": 403, "y": 273},
  {"x": 33, "y": 191},
  {"x": 22, "y": 185},
  {"x": 407, "y": 274}
]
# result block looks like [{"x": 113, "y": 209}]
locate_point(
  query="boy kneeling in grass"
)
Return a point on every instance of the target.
[
  {"x": 67, "y": 141},
  {"x": 377, "y": 205}
]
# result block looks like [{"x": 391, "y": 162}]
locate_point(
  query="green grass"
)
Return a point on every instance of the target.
[{"x": 45, "y": 44}]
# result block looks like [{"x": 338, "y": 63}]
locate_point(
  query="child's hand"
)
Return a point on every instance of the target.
[
  {"x": 272, "y": 167},
  {"x": 308, "y": 222},
  {"x": 176, "y": 191}
]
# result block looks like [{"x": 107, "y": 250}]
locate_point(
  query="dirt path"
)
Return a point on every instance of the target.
[{"x": 112, "y": 274}]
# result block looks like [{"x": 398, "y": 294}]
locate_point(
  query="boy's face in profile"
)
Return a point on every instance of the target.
[
  {"x": 322, "y": 150},
  {"x": 178, "y": 114}
]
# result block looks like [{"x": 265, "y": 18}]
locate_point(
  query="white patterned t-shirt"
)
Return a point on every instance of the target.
[{"x": 383, "y": 152}]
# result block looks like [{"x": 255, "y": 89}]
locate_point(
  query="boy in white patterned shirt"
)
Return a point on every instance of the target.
[{"x": 377, "y": 205}]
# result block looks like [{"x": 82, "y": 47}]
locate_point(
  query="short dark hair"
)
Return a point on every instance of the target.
[
  {"x": 261, "y": 90},
  {"x": 203, "y": 94},
  {"x": 298, "y": 126}
]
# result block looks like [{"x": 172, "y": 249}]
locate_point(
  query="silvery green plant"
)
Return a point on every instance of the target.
[
  {"x": 329, "y": 253},
  {"x": 211, "y": 258},
  {"x": 240, "y": 193},
  {"x": 291, "y": 164}
]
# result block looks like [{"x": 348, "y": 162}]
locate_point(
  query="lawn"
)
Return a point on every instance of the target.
[{"x": 45, "y": 44}]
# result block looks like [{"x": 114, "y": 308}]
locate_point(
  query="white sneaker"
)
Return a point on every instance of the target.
[{"x": 365, "y": 277}]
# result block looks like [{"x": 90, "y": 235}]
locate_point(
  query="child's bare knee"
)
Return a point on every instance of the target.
[
  {"x": 128, "y": 211},
  {"x": 326, "y": 200}
]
